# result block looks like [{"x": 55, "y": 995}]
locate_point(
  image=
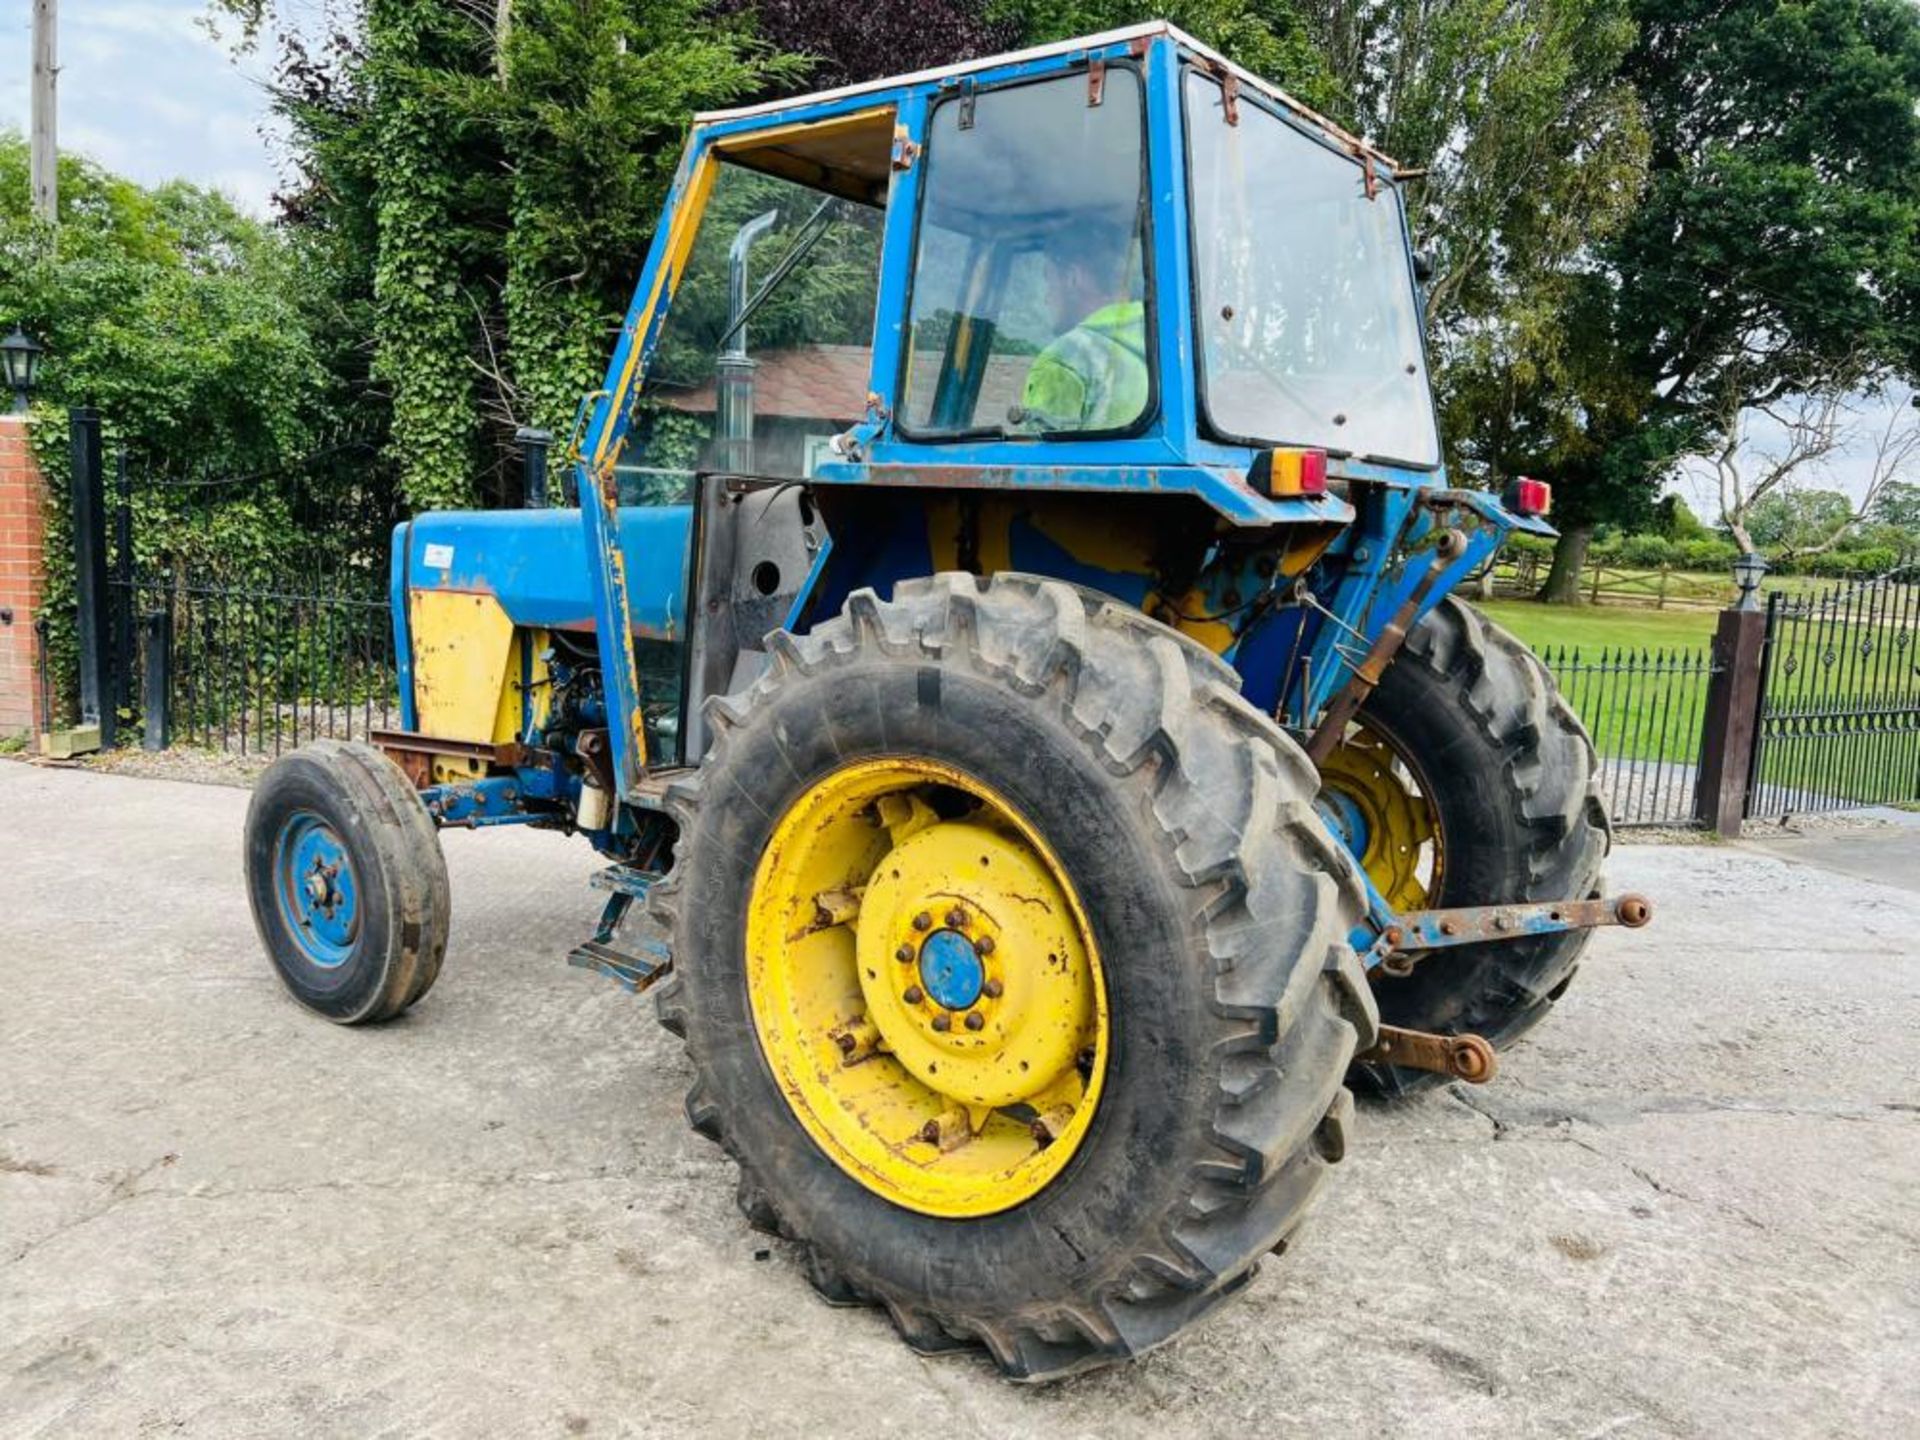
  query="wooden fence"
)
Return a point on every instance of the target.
[{"x": 1521, "y": 576}]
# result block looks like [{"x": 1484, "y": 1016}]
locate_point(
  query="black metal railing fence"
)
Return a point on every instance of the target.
[
  {"x": 249, "y": 613},
  {"x": 1644, "y": 709},
  {"x": 1839, "y": 721},
  {"x": 254, "y": 670}
]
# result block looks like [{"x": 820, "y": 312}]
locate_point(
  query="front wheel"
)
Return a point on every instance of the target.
[
  {"x": 1011, "y": 959},
  {"x": 347, "y": 882}
]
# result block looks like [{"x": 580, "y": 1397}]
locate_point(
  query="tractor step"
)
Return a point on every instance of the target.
[
  {"x": 635, "y": 972},
  {"x": 623, "y": 880}
]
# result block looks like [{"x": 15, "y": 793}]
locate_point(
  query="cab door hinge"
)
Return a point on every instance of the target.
[{"x": 905, "y": 152}]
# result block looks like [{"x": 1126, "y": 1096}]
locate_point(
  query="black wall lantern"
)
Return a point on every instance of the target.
[{"x": 20, "y": 360}]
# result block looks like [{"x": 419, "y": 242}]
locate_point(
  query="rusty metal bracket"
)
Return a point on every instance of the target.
[
  {"x": 966, "y": 103},
  {"x": 1366, "y": 171},
  {"x": 1096, "y": 81},
  {"x": 1230, "y": 97},
  {"x": 596, "y": 754},
  {"x": 1344, "y": 706},
  {"x": 1465, "y": 1057},
  {"x": 414, "y": 752},
  {"x": 1419, "y": 931}
]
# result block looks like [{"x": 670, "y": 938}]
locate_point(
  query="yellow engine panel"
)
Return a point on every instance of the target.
[{"x": 476, "y": 677}]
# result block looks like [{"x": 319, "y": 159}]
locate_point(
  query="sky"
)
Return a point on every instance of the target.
[{"x": 146, "y": 91}]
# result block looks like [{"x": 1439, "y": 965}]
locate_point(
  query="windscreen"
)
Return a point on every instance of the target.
[{"x": 1309, "y": 328}]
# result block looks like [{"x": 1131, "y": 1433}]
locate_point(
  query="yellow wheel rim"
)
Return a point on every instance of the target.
[
  {"x": 1374, "y": 800},
  {"x": 926, "y": 988}
]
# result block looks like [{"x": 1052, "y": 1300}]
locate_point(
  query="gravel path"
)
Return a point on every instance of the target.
[{"x": 1684, "y": 1209}]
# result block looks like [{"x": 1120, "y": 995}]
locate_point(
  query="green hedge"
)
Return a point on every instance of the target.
[{"x": 1713, "y": 555}]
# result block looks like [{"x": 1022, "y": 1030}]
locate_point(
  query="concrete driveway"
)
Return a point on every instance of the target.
[{"x": 1690, "y": 1206}]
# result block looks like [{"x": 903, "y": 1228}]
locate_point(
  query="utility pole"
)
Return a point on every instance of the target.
[{"x": 44, "y": 160}]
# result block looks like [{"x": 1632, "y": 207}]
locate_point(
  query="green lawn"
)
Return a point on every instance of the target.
[{"x": 1593, "y": 627}]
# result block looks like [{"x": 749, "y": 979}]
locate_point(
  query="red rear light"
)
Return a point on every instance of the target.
[{"x": 1528, "y": 497}]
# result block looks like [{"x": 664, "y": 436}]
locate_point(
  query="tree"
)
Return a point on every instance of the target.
[
  {"x": 1673, "y": 519},
  {"x": 1762, "y": 498},
  {"x": 1774, "y": 250},
  {"x": 185, "y": 323},
  {"x": 1269, "y": 37},
  {"x": 591, "y": 115},
  {"x": 1899, "y": 507},
  {"x": 844, "y": 44},
  {"x": 1534, "y": 149},
  {"x": 481, "y": 181},
  {"x": 178, "y": 316}
]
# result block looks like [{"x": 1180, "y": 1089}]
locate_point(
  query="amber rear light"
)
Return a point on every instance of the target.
[{"x": 1290, "y": 474}]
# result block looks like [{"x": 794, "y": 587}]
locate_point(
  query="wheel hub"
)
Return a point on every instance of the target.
[
  {"x": 1003, "y": 987},
  {"x": 1372, "y": 801},
  {"x": 318, "y": 893},
  {"x": 951, "y": 970}
]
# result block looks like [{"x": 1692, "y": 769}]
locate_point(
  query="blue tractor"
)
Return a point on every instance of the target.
[{"x": 1000, "y": 634}]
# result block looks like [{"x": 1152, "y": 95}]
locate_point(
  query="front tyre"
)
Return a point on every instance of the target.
[
  {"x": 347, "y": 882},
  {"x": 1011, "y": 959}
]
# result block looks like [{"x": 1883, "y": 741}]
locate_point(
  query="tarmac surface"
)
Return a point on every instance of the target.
[{"x": 1690, "y": 1205}]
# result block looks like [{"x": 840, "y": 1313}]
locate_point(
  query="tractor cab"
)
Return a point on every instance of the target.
[{"x": 954, "y": 305}]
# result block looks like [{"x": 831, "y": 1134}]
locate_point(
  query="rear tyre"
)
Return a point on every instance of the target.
[
  {"x": 1179, "y": 913},
  {"x": 1510, "y": 777},
  {"x": 347, "y": 882}
]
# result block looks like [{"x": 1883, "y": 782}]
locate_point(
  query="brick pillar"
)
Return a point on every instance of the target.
[{"x": 22, "y": 572}]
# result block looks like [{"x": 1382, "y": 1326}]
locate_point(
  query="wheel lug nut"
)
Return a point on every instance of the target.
[
  {"x": 913, "y": 995},
  {"x": 984, "y": 945},
  {"x": 975, "y": 1020},
  {"x": 923, "y": 921},
  {"x": 904, "y": 954},
  {"x": 992, "y": 989},
  {"x": 957, "y": 918},
  {"x": 943, "y": 1022}
]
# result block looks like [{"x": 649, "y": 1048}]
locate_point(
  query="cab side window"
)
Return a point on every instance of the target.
[{"x": 1030, "y": 313}]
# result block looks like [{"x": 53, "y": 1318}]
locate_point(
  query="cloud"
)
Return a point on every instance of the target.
[{"x": 146, "y": 92}]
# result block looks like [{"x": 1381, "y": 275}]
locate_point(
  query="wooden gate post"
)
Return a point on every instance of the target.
[{"x": 1733, "y": 716}]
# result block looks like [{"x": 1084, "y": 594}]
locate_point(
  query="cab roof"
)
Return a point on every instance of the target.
[{"x": 1142, "y": 34}]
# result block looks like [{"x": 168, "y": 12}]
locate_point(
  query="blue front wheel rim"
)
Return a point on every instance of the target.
[{"x": 317, "y": 890}]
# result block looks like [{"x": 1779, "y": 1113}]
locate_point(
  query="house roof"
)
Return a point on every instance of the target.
[{"x": 829, "y": 383}]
